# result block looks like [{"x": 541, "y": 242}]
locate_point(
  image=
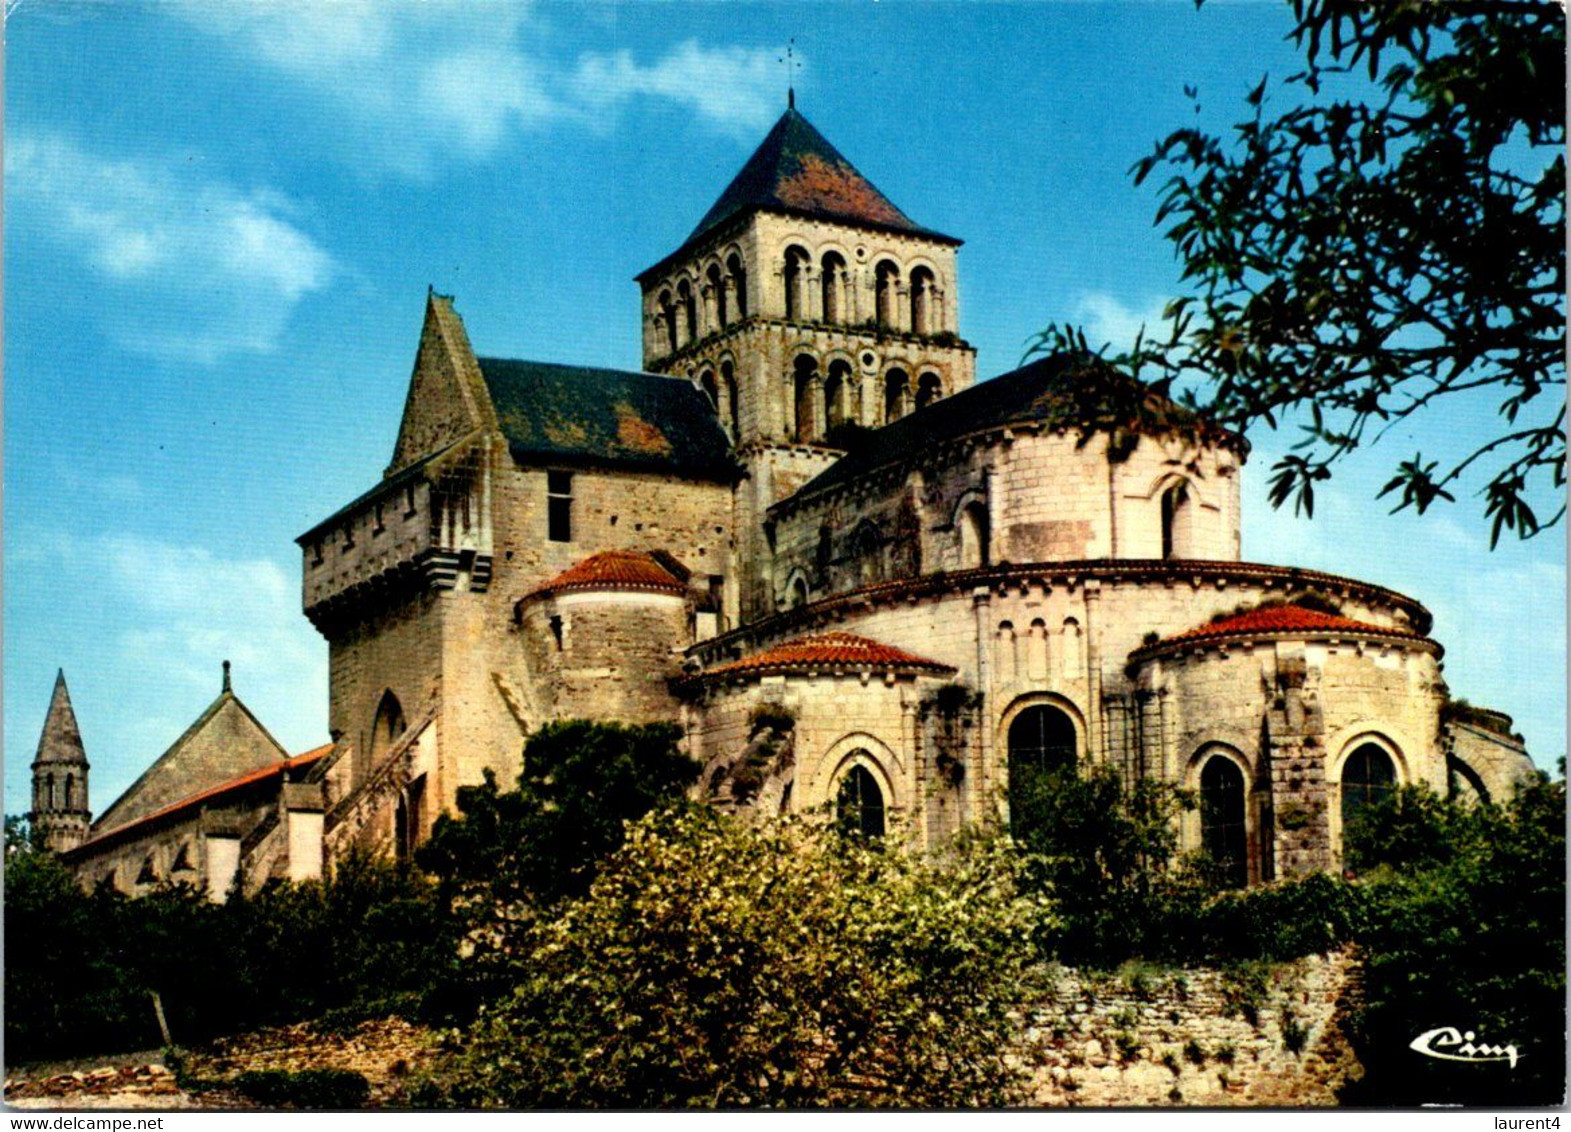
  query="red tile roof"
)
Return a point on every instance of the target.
[
  {"x": 260, "y": 774},
  {"x": 615, "y": 570},
  {"x": 1288, "y": 620},
  {"x": 826, "y": 650}
]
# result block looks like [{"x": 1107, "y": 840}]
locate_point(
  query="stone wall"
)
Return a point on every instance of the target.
[{"x": 1150, "y": 1037}]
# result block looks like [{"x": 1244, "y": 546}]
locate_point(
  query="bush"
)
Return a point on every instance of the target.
[
  {"x": 1467, "y": 930},
  {"x": 715, "y": 963},
  {"x": 305, "y": 1088}
]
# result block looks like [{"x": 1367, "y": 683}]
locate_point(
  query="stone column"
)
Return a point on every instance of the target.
[{"x": 1295, "y": 732}]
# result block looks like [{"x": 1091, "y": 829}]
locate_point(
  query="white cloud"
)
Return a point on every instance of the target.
[
  {"x": 199, "y": 269},
  {"x": 735, "y": 89},
  {"x": 1109, "y": 321},
  {"x": 192, "y": 609},
  {"x": 404, "y": 84}
]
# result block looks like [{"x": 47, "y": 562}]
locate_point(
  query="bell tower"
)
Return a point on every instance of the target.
[
  {"x": 60, "y": 816},
  {"x": 810, "y": 310}
]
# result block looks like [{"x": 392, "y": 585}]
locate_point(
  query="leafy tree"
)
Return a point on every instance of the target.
[
  {"x": 1372, "y": 249},
  {"x": 1467, "y": 929},
  {"x": 717, "y": 963},
  {"x": 1108, "y": 853},
  {"x": 580, "y": 784}
]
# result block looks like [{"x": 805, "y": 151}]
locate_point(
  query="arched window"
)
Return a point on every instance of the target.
[
  {"x": 1176, "y": 512},
  {"x": 886, "y": 283},
  {"x": 738, "y": 283},
  {"x": 1041, "y": 747},
  {"x": 798, "y": 592},
  {"x": 70, "y": 792},
  {"x": 728, "y": 391},
  {"x": 806, "y": 378},
  {"x": 973, "y": 536},
  {"x": 859, "y": 806},
  {"x": 706, "y": 382},
  {"x": 684, "y": 293},
  {"x": 1223, "y": 833},
  {"x": 668, "y": 320},
  {"x": 824, "y": 553},
  {"x": 837, "y": 394},
  {"x": 897, "y": 394},
  {"x": 929, "y": 389},
  {"x": 49, "y": 791},
  {"x": 794, "y": 276},
  {"x": 717, "y": 289},
  {"x": 388, "y": 725},
  {"x": 922, "y": 301},
  {"x": 1368, "y": 776},
  {"x": 832, "y": 283}
]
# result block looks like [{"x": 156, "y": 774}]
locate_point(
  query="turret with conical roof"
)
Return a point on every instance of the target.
[{"x": 60, "y": 815}]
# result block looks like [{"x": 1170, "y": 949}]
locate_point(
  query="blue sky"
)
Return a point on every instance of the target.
[{"x": 221, "y": 220}]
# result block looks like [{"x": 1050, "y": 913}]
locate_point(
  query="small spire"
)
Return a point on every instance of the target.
[
  {"x": 226, "y": 676},
  {"x": 790, "y": 98}
]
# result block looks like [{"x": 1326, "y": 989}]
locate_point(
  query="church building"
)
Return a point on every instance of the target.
[{"x": 861, "y": 580}]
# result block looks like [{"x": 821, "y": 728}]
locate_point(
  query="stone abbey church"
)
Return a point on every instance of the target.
[{"x": 855, "y": 575}]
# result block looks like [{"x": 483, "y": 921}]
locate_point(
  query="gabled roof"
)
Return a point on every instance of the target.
[
  {"x": 575, "y": 414},
  {"x": 1062, "y": 391},
  {"x": 1283, "y": 620},
  {"x": 225, "y": 740},
  {"x": 820, "y": 651},
  {"x": 212, "y": 793},
  {"x": 796, "y": 171},
  {"x": 615, "y": 570},
  {"x": 61, "y": 739}
]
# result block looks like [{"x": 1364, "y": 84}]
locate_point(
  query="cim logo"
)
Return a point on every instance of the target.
[{"x": 1450, "y": 1044}]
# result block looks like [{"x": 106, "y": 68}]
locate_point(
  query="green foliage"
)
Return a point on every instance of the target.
[
  {"x": 1386, "y": 241},
  {"x": 581, "y": 783},
  {"x": 1194, "y": 1053},
  {"x": 1103, "y": 848},
  {"x": 715, "y": 963},
  {"x": 1470, "y": 932},
  {"x": 775, "y": 717},
  {"x": 81, "y": 968},
  {"x": 305, "y": 1088}
]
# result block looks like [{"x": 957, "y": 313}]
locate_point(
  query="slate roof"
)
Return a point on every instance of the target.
[
  {"x": 1051, "y": 391},
  {"x": 1287, "y": 620},
  {"x": 795, "y": 170},
  {"x": 615, "y": 570},
  {"x": 825, "y": 650},
  {"x": 575, "y": 414},
  {"x": 260, "y": 774}
]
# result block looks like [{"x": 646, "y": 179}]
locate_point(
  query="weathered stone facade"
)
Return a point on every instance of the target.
[{"x": 855, "y": 576}]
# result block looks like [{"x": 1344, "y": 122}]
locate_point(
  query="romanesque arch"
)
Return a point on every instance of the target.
[
  {"x": 793, "y": 274},
  {"x": 897, "y": 395},
  {"x": 1177, "y": 517},
  {"x": 929, "y": 388},
  {"x": 1041, "y": 741},
  {"x": 737, "y": 275},
  {"x": 837, "y": 394},
  {"x": 733, "y": 409},
  {"x": 1224, "y": 816},
  {"x": 684, "y": 298},
  {"x": 832, "y": 278},
  {"x": 886, "y": 285},
  {"x": 722, "y": 309},
  {"x": 973, "y": 527},
  {"x": 923, "y": 298},
  {"x": 1366, "y": 774},
  {"x": 804, "y": 386}
]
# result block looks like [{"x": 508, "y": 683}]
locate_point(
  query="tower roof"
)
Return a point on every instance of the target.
[
  {"x": 796, "y": 171},
  {"x": 61, "y": 741}
]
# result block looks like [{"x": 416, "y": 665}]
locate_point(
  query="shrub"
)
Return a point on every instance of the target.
[
  {"x": 716, "y": 963},
  {"x": 305, "y": 1088}
]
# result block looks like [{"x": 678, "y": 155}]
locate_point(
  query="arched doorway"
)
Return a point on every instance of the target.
[
  {"x": 1223, "y": 829},
  {"x": 859, "y": 805},
  {"x": 1042, "y": 746},
  {"x": 1368, "y": 777}
]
